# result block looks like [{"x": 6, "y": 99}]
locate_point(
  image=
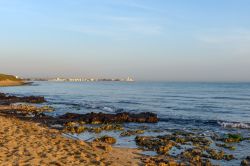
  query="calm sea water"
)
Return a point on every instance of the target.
[{"x": 211, "y": 107}]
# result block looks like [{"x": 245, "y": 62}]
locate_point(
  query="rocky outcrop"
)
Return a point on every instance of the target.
[
  {"x": 106, "y": 139},
  {"x": 7, "y": 100},
  {"x": 201, "y": 152},
  {"x": 96, "y": 118}
]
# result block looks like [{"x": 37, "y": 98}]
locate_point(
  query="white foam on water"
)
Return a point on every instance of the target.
[{"x": 235, "y": 125}]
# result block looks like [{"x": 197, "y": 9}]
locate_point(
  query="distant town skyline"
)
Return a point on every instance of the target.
[
  {"x": 79, "y": 79},
  {"x": 161, "y": 40}
]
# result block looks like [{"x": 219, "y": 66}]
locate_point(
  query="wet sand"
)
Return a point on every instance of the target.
[{"x": 29, "y": 143}]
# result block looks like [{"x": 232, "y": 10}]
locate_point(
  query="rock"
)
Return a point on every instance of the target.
[
  {"x": 164, "y": 149},
  {"x": 172, "y": 163},
  {"x": 180, "y": 140},
  {"x": 75, "y": 129},
  {"x": 71, "y": 124},
  {"x": 98, "y": 158},
  {"x": 196, "y": 159},
  {"x": 7, "y": 100},
  {"x": 106, "y": 139},
  {"x": 228, "y": 157},
  {"x": 95, "y": 129},
  {"x": 219, "y": 155},
  {"x": 96, "y": 122},
  {"x": 112, "y": 127},
  {"x": 106, "y": 128},
  {"x": 161, "y": 161},
  {"x": 163, "y": 164},
  {"x": 46, "y": 109},
  {"x": 225, "y": 146},
  {"x": 107, "y": 148},
  {"x": 79, "y": 129},
  {"x": 233, "y": 138},
  {"x": 25, "y": 110},
  {"x": 148, "y": 142},
  {"x": 246, "y": 162},
  {"x": 98, "y": 118},
  {"x": 131, "y": 132}
]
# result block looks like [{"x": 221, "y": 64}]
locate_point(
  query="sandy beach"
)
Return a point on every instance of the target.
[
  {"x": 10, "y": 80},
  {"x": 28, "y": 143},
  {"x": 11, "y": 83}
]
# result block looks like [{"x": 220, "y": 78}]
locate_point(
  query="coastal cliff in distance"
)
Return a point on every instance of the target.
[{"x": 10, "y": 80}]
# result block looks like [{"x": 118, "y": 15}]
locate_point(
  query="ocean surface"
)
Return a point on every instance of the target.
[{"x": 210, "y": 107}]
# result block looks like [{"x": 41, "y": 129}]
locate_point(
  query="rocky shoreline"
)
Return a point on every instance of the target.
[
  {"x": 26, "y": 139},
  {"x": 193, "y": 148}
]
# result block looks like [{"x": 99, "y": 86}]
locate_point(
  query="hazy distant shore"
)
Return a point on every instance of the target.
[
  {"x": 11, "y": 83},
  {"x": 10, "y": 80}
]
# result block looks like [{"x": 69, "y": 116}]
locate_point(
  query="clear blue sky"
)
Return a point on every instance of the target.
[{"x": 174, "y": 40}]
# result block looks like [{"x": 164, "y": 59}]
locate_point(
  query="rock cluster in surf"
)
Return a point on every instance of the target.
[{"x": 8, "y": 99}]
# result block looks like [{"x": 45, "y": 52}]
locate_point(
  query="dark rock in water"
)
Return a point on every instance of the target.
[
  {"x": 96, "y": 118},
  {"x": 106, "y": 139},
  {"x": 131, "y": 132},
  {"x": 225, "y": 146},
  {"x": 199, "y": 152},
  {"x": 246, "y": 162},
  {"x": 6, "y": 100}
]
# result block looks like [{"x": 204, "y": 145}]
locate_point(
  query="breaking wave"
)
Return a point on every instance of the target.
[
  {"x": 239, "y": 125},
  {"x": 198, "y": 122}
]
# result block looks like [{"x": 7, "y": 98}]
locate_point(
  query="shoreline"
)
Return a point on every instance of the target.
[
  {"x": 170, "y": 148},
  {"x": 7, "y": 83},
  {"x": 31, "y": 140},
  {"x": 25, "y": 142}
]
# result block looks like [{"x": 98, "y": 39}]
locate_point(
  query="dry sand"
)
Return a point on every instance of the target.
[
  {"x": 28, "y": 143},
  {"x": 11, "y": 83}
]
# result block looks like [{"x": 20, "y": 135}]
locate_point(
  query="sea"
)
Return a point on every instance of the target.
[{"x": 208, "y": 108}]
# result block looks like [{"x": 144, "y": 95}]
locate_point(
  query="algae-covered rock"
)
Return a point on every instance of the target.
[
  {"x": 246, "y": 162},
  {"x": 108, "y": 127},
  {"x": 106, "y": 139},
  {"x": 46, "y": 109},
  {"x": 95, "y": 129},
  {"x": 131, "y": 132},
  {"x": 97, "y": 118},
  {"x": 148, "y": 142},
  {"x": 71, "y": 124},
  {"x": 229, "y": 157},
  {"x": 8, "y": 99},
  {"x": 77, "y": 126},
  {"x": 166, "y": 148},
  {"x": 219, "y": 155},
  {"x": 79, "y": 129},
  {"x": 230, "y": 138},
  {"x": 112, "y": 127},
  {"x": 226, "y": 146},
  {"x": 74, "y": 128},
  {"x": 25, "y": 109}
]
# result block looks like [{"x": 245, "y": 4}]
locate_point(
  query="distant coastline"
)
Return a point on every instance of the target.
[
  {"x": 10, "y": 80},
  {"x": 58, "y": 79}
]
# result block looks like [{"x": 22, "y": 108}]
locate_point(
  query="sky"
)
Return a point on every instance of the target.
[{"x": 155, "y": 40}]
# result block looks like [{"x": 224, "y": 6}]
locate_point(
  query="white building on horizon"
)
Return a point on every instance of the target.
[{"x": 129, "y": 79}]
